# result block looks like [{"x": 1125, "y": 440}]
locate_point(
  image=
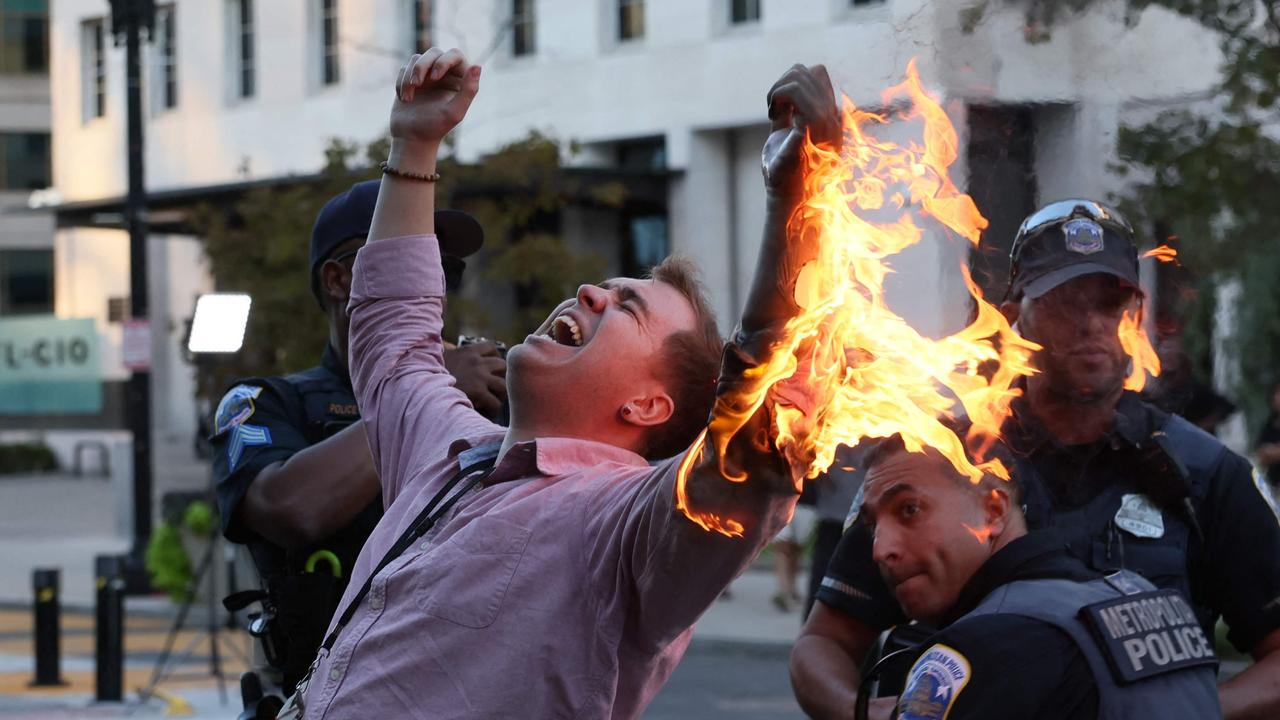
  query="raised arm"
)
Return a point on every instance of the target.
[{"x": 412, "y": 410}]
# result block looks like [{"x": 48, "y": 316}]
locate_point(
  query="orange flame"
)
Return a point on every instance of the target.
[
  {"x": 1133, "y": 338},
  {"x": 982, "y": 534},
  {"x": 861, "y": 370},
  {"x": 1163, "y": 253}
]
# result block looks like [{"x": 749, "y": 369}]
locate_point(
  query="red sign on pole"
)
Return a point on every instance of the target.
[{"x": 136, "y": 345}]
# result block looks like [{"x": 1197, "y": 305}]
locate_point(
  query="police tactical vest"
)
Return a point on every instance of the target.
[
  {"x": 1165, "y": 550},
  {"x": 1145, "y": 648}
]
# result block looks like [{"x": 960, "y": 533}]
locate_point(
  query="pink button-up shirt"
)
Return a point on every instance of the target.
[{"x": 566, "y": 586}]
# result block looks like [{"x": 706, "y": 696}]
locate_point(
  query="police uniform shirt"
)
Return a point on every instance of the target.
[
  {"x": 261, "y": 421},
  {"x": 1094, "y": 496},
  {"x": 1002, "y": 665}
]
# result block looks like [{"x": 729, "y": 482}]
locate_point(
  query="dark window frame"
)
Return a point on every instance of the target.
[
  {"x": 743, "y": 12},
  {"x": 25, "y": 161},
  {"x": 8, "y": 307},
  {"x": 523, "y": 28},
  {"x": 246, "y": 65},
  {"x": 330, "y": 73},
  {"x": 421, "y": 25},
  {"x": 631, "y": 21},
  {"x": 167, "y": 55},
  {"x": 95, "y": 88},
  {"x": 24, "y": 35}
]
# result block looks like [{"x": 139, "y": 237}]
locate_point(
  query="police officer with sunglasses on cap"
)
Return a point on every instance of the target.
[
  {"x": 295, "y": 481},
  {"x": 1125, "y": 485}
]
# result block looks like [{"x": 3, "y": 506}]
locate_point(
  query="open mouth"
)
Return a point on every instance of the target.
[{"x": 565, "y": 330}]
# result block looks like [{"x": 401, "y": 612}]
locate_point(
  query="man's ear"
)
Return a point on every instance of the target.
[
  {"x": 335, "y": 282},
  {"x": 648, "y": 410},
  {"x": 1011, "y": 309},
  {"x": 997, "y": 506}
]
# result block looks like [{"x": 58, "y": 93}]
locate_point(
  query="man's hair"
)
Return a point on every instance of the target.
[
  {"x": 998, "y": 450},
  {"x": 689, "y": 366}
]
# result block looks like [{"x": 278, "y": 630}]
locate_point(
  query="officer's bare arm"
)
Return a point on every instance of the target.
[
  {"x": 314, "y": 493},
  {"x": 1255, "y": 693},
  {"x": 824, "y": 665}
]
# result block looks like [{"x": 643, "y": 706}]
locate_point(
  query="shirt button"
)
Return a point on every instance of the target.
[
  {"x": 335, "y": 673},
  {"x": 375, "y": 602},
  {"x": 424, "y": 545}
]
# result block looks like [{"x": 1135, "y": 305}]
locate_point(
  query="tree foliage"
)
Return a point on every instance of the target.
[
  {"x": 260, "y": 246},
  {"x": 1209, "y": 175}
]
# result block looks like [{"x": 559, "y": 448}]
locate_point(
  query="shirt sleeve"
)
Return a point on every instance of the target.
[
  {"x": 999, "y": 667},
  {"x": 853, "y": 584},
  {"x": 1241, "y": 566},
  {"x": 664, "y": 566},
  {"x": 252, "y": 429},
  {"x": 413, "y": 413}
]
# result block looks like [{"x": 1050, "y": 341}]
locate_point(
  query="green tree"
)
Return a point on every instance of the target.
[
  {"x": 1206, "y": 176},
  {"x": 260, "y": 246}
]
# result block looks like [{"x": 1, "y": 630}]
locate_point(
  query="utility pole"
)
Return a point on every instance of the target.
[{"x": 129, "y": 20}]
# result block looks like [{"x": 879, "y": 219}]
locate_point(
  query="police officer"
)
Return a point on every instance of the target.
[
  {"x": 295, "y": 480},
  {"x": 1026, "y": 630},
  {"x": 1127, "y": 485}
]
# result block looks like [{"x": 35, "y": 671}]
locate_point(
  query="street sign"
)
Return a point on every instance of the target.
[
  {"x": 136, "y": 344},
  {"x": 49, "y": 366}
]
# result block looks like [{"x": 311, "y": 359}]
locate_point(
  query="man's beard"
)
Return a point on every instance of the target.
[{"x": 1063, "y": 385}]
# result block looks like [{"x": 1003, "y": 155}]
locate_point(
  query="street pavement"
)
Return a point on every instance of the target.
[{"x": 736, "y": 666}]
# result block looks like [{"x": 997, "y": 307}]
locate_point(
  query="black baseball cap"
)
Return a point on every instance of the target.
[
  {"x": 1067, "y": 239},
  {"x": 350, "y": 214}
]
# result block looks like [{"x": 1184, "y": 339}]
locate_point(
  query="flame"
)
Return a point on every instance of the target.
[
  {"x": 1163, "y": 253},
  {"x": 861, "y": 369},
  {"x": 1133, "y": 338},
  {"x": 982, "y": 534}
]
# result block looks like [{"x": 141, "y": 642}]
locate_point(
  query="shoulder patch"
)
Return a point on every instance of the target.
[
  {"x": 933, "y": 684},
  {"x": 243, "y": 436},
  {"x": 235, "y": 408}
]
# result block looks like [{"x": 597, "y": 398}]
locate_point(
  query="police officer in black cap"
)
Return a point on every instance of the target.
[
  {"x": 294, "y": 477},
  {"x": 1126, "y": 485}
]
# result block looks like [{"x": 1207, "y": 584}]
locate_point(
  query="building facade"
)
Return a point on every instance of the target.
[{"x": 247, "y": 90}]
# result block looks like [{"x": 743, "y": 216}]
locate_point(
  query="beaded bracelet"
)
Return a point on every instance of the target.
[{"x": 388, "y": 170}]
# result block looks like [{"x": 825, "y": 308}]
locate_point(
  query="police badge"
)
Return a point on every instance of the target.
[{"x": 1083, "y": 236}]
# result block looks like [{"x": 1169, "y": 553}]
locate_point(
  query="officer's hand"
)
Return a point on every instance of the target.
[
  {"x": 801, "y": 101},
  {"x": 433, "y": 93},
  {"x": 481, "y": 374}
]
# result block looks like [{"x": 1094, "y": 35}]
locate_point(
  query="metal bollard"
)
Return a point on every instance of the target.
[
  {"x": 48, "y": 641},
  {"x": 109, "y": 580}
]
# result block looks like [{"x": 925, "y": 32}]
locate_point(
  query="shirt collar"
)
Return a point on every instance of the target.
[
  {"x": 1018, "y": 560},
  {"x": 560, "y": 456}
]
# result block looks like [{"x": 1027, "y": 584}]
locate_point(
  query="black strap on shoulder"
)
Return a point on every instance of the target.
[{"x": 474, "y": 474}]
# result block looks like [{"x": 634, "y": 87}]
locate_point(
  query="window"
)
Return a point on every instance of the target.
[
  {"x": 744, "y": 11},
  {"x": 648, "y": 155},
  {"x": 26, "y": 282},
  {"x": 329, "y": 41},
  {"x": 164, "y": 82},
  {"x": 420, "y": 25},
  {"x": 24, "y": 36},
  {"x": 865, "y": 3},
  {"x": 93, "y": 70},
  {"x": 241, "y": 49},
  {"x": 24, "y": 161},
  {"x": 522, "y": 27},
  {"x": 630, "y": 19}
]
